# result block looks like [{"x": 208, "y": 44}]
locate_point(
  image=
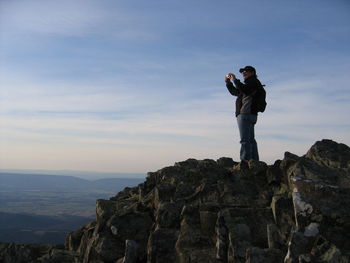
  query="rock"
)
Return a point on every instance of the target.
[
  {"x": 226, "y": 162},
  {"x": 320, "y": 198},
  {"x": 192, "y": 244},
  {"x": 325, "y": 251},
  {"x": 188, "y": 164},
  {"x": 257, "y": 168},
  {"x": 59, "y": 255},
  {"x": 274, "y": 237},
  {"x": 12, "y": 253},
  {"x": 134, "y": 226},
  {"x": 164, "y": 192},
  {"x": 296, "y": 210},
  {"x": 208, "y": 222},
  {"x": 222, "y": 242},
  {"x": 183, "y": 191},
  {"x": 131, "y": 252},
  {"x": 161, "y": 246},
  {"x": 105, "y": 209},
  {"x": 268, "y": 255},
  {"x": 283, "y": 213},
  {"x": 298, "y": 245},
  {"x": 168, "y": 215},
  {"x": 74, "y": 239},
  {"x": 33, "y": 253},
  {"x": 247, "y": 228},
  {"x": 330, "y": 153}
]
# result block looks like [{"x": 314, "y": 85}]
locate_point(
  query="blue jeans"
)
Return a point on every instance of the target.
[{"x": 249, "y": 148}]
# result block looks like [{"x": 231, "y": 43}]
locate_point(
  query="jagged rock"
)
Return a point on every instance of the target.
[
  {"x": 161, "y": 246},
  {"x": 73, "y": 240},
  {"x": 131, "y": 252},
  {"x": 59, "y": 255},
  {"x": 274, "y": 237},
  {"x": 81, "y": 240},
  {"x": 164, "y": 192},
  {"x": 268, "y": 255},
  {"x": 105, "y": 209},
  {"x": 319, "y": 183},
  {"x": 247, "y": 228},
  {"x": 131, "y": 226},
  {"x": 299, "y": 244},
  {"x": 168, "y": 215},
  {"x": 325, "y": 251},
  {"x": 35, "y": 253},
  {"x": 12, "y": 253},
  {"x": 192, "y": 244},
  {"x": 296, "y": 210},
  {"x": 183, "y": 191},
  {"x": 226, "y": 162},
  {"x": 330, "y": 153},
  {"x": 283, "y": 213},
  {"x": 257, "y": 168},
  {"x": 208, "y": 222},
  {"x": 222, "y": 242}
]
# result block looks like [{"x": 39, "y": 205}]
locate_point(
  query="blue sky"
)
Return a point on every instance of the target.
[{"x": 132, "y": 86}]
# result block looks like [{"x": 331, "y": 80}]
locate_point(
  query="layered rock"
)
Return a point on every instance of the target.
[
  {"x": 296, "y": 210},
  {"x": 32, "y": 253}
]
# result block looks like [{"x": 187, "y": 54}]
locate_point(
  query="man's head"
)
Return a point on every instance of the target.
[{"x": 248, "y": 71}]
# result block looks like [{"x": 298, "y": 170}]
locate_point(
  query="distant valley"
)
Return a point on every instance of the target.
[
  {"x": 26, "y": 228},
  {"x": 41, "y": 208}
]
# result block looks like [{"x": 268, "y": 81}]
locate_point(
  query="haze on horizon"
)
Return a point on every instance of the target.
[{"x": 133, "y": 86}]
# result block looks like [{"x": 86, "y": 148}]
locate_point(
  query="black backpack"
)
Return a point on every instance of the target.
[{"x": 260, "y": 99}]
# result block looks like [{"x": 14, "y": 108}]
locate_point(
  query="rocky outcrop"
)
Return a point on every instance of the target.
[
  {"x": 296, "y": 210},
  {"x": 32, "y": 253}
]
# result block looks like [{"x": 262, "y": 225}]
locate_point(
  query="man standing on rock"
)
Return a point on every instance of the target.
[{"x": 246, "y": 110}]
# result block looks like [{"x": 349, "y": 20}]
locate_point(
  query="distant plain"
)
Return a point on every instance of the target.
[{"x": 44, "y": 208}]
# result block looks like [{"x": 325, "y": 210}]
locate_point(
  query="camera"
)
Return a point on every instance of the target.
[{"x": 228, "y": 76}]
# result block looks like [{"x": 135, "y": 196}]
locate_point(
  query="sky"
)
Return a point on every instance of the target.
[{"x": 134, "y": 86}]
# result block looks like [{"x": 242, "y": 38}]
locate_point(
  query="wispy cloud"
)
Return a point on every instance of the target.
[
  {"x": 42, "y": 19},
  {"x": 67, "y": 18},
  {"x": 92, "y": 85}
]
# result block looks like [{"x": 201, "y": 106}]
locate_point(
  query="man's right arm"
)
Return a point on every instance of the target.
[{"x": 231, "y": 88}]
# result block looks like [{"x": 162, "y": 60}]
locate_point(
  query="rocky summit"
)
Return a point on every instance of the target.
[{"x": 296, "y": 210}]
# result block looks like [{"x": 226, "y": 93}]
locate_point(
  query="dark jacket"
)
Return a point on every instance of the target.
[{"x": 245, "y": 102}]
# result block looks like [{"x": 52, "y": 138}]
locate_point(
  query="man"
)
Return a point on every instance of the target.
[{"x": 246, "y": 110}]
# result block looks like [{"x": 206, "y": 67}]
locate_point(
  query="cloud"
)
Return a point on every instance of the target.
[
  {"x": 102, "y": 84},
  {"x": 301, "y": 111},
  {"x": 50, "y": 17},
  {"x": 71, "y": 19}
]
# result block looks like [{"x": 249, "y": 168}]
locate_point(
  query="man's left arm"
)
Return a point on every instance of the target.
[{"x": 248, "y": 88}]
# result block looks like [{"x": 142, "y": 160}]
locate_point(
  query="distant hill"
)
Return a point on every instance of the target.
[
  {"x": 45, "y": 182},
  {"x": 81, "y": 174}
]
